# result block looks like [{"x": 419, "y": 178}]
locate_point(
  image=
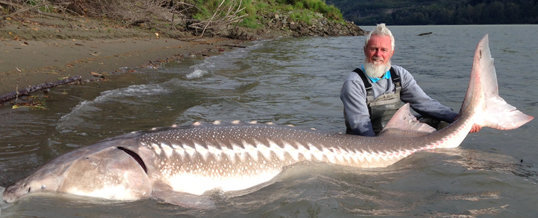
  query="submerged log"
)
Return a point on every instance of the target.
[
  {"x": 425, "y": 34},
  {"x": 27, "y": 91}
]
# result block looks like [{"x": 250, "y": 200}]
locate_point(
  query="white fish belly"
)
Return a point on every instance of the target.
[{"x": 198, "y": 184}]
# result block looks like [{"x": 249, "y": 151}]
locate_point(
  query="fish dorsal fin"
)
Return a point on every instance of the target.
[{"x": 404, "y": 123}]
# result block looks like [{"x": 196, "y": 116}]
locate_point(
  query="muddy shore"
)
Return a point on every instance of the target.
[
  {"x": 37, "y": 49},
  {"x": 27, "y": 63}
]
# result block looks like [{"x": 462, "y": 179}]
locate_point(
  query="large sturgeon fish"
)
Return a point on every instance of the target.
[{"x": 180, "y": 165}]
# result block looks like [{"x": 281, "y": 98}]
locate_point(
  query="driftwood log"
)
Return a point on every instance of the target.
[{"x": 27, "y": 91}]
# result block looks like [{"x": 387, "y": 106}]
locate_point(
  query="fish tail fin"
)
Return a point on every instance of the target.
[{"x": 482, "y": 98}]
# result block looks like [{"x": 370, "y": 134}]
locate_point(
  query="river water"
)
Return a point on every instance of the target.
[{"x": 297, "y": 81}]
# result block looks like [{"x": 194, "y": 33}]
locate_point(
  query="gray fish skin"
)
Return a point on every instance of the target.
[{"x": 179, "y": 165}]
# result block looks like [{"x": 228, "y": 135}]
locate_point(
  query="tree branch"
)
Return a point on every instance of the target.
[{"x": 13, "y": 95}]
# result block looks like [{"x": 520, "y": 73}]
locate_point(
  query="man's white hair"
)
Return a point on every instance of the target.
[{"x": 380, "y": 30}]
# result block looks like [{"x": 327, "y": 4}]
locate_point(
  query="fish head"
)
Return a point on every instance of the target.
[
  {"x": 105, "y": 170},
  {"x": 37, "y": 182},
  {"x": 48, "y": 178}
]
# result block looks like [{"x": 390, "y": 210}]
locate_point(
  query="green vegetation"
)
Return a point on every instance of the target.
[
  {"x": 230, "y": 11},
  {"x": 319, "y": 6},
  {"x": 421, "y": 12},
  {"x": 252, "y": 12}
]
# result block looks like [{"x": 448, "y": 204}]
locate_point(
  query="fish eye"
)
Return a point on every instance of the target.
[{"x": 43, "y": 187}]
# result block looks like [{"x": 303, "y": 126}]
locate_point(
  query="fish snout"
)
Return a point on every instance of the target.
[
  {"x": 27, "y": 186},
  {"x": 14, "y": 192}
]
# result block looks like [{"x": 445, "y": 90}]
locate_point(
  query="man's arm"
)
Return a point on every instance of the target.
[
  {"x": 420, "y": 101},
  {"x": 353, "y": 96}
]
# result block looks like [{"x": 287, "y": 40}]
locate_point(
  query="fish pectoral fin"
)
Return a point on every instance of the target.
[
  {"x": 403, "y": 123},
  {"x": 166, "y": 194}
]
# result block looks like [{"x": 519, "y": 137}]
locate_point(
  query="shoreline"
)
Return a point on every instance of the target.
[
  {"x": 28, "y": 63},
  {"x": 39, "y": 48}
]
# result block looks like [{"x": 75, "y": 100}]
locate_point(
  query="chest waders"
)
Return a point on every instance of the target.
[{"x": 384, "y": 106}]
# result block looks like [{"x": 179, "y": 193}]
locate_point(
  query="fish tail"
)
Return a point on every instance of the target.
[{"x": 482, "y": 100}]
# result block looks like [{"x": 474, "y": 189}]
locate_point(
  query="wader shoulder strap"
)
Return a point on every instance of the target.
[
  {"x": 395, "y": 78},
  {"x": 367, "y": 85}
]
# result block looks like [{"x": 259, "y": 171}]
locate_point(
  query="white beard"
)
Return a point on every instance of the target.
[{"x": 376, "y": 71}]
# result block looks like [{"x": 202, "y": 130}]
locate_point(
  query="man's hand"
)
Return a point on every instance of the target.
[{"x": 476, "y": 128}]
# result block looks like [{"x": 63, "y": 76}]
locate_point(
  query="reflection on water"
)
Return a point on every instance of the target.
[{"x": 297, "y": 81}]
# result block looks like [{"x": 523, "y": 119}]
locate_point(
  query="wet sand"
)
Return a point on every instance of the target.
[{"x": 25, "y": 63}]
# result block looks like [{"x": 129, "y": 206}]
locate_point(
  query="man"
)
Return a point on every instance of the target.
[{"x": 372, "y": 93}]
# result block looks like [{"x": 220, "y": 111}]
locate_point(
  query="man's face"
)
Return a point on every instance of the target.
[{"x": 378, "y": 50}]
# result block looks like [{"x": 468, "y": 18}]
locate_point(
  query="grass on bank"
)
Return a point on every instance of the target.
[{"x": 252, "y": 11}]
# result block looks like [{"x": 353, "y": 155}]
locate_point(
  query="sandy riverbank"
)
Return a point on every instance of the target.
[{"x": 26, "y": 63}]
